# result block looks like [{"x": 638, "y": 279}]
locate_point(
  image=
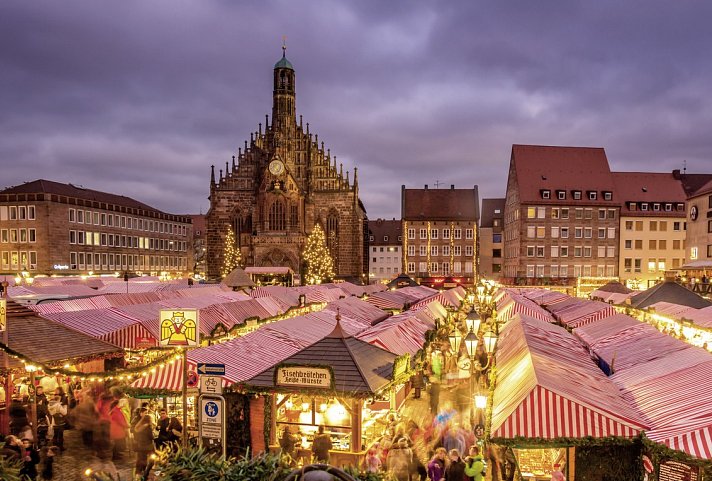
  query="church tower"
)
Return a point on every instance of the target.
[{"x": 280, "y": 184}]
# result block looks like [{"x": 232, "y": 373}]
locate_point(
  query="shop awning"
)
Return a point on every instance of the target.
[
  {"x": 168, "y": 377},
  {"x": 582, "y": 312},
  {"x": 547, "y": 387},
  {"x": 519, "y": 304},
  {"x": 691, "y": 437}
]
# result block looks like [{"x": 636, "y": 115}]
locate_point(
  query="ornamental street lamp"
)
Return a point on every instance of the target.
[
  {"x": 489, "y": 340},
  {"x": 473, "y": 321},
  {"x": 455, "y": 338}
]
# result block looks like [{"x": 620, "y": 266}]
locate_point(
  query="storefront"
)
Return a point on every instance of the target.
[{"x": 346, "y": 385}]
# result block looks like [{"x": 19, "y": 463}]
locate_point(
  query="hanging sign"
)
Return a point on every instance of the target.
[
  {"x": 3, "y": 314},
  {"x": 677, "y": 471},
  {"x": 179, "y": 327},
  {"x": 304, "y": 376}
]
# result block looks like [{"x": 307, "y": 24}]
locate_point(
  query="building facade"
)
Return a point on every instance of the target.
[
  {"x": 652, "y": 226},
  {"x": 200, "y": 235},
  {"x": 385, "y": 250},
  {"x": 561, "y": 216},
  {"x": 491, "y": 233},
  {"x": 52, "y": 228},
  {"x": 440, "y": 234},
  {"x": 278, "y": 187},
  {"x": 699, "y": 225}
]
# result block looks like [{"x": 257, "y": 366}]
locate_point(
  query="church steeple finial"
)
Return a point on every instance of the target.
[
  {"x": 212, "y": 175},
  {"x": 284, "y": 46}
]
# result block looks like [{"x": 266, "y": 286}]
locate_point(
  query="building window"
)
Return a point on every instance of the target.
[
  {"x": 446, "y": 250},
  {"x": 601, "y": 251},
  {"x": 385, "y": 238},
  {"x": 531, "y": 231},
  {"x": 601, "y": 214},
  {"x": 644, "y": 206},
  {"x": 433, "y": 267},
  {"x": 656, "y": 207},
  {"x": 411, "y": 234},
  {"x": 72, "y": 237},
  {"x": 469, "y": 233},
  {"x": 588, "y": 214},
  {"x": 411, "y": 250},
  {"x": 546, "y": 194},
  {"x": 577, "y": 194},
  {"x": 578, "y": 251},
  {"x": 588, "y": 233},
  {"x": 601, "y": 232},
  {"x": 423, "y": 251},
  {"x": 457, "y": 251},
  {"x": 540, "y": 271},
  {"x": 592, "y": 195},
  {"x": 531, "y": 212},
  {"x": 458, "y": 233},
  {"x": 277, "y": 219},
  {"x": 611, "y": 213},
  {"x": 370, "y": 238},
  {"x": 564, "y": 212},
  {"x": 540, "y": 232},
  {"x": 578, "y": 213},
  {"x": 554, "y": 232},
  {"x": 433, "y": 233},
  {"x": 561, "y": 194},
  {"x": 423, "y": 233},
  {"x": 433, "y": 250},
  {"x": 554, "y": 212},
  {"x": 653, "y": 226},
  {"x": 639, "y": 225},
  {"x": 638, "y": 244},
  {"x": 564, "y": 232},
  {"x": 676, "y": 226},
  {"x": 564, "y": 251},
  {"x": 554, "y": 251},
  {"x": 627, "y": 264},
  {"x": 531, "y": 250},
  {"x": 652, "y": 244},
  {"x": 32, "y": 235},
  {"x": 411, "y": 267},
  {"x": 530, "y": 271},
  {"x": 629, "y": 225},
  {"x": 468, "y": 250},
  {"x": 72, "y": 217},
  {"x": 587, "y": 251},
  {"x": 607, "y": 195},
  {"x": 446, "y": 233},
  {"x": 578, "y": 232},
  {"x": 651, "y": 265},
  {"x": 628, "y": 244},
  {"x": 540, "y": 251}
]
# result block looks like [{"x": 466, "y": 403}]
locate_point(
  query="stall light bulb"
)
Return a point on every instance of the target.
[
  {"x": 322, "y": 407},
  {"x": 88, "y": 472}
]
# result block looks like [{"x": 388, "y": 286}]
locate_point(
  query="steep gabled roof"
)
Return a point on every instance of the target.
[
  {"x": 381, "y": 228},
  {"x": 441, "y": 204},
  {"x": 238, "y": 278},
  {"x": 671, "y": 292},
  {"x": 540, "y": 167}
]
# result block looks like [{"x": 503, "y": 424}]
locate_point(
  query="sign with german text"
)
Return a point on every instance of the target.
[
  {"x": 304, "y": 376},
  {"x": 3, "y": 314},
  {"x": 677, "y": 471},
  {"x": 179, "y": 327}
]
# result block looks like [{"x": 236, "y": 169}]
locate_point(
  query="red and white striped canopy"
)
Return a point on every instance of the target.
[
  {"x": 168, "y": 377},
  {"x": 548, "y": 387}
]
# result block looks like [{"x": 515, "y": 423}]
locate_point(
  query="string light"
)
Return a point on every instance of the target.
[
  {"x": 319, "y": 263},
  {"x": 232, "y": 257}
]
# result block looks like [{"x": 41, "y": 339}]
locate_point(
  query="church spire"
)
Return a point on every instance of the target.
[{"x": 284, "y": 115}]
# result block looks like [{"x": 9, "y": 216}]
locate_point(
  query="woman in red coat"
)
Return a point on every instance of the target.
[{"x": 118, "y": 431}]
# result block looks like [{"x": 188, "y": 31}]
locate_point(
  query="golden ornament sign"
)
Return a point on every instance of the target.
[{"x": 179, "y": 328}]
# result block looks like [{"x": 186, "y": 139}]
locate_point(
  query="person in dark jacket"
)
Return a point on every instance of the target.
[
  {"x": 456, "y": 469},
  {"x": 31, "y": 460},
  {"x": 18, "y": 417},
  {"x": 321, "y": 446},
  {"x": 143, "y": 444}
]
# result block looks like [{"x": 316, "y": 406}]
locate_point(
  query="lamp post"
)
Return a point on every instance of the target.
[{"x": 489, "y": 340}]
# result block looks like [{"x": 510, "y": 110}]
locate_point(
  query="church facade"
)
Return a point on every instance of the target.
[{"x": 278, "y": 187}]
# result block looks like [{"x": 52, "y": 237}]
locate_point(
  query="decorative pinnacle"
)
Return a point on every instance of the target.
[{"x": 284, "y": 46}]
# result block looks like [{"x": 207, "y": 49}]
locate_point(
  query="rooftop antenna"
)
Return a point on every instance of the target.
[
  {"x": 684, "y": 166},
  {"x": 437, "y": 183},
  {"x": 284, "y": 46}
]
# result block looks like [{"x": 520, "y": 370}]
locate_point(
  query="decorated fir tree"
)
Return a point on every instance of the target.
[
  {"x": 318, "y": 260},
  {"x": 232, "y": 257}
]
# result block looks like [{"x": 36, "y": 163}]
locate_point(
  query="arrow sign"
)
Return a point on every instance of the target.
[{"x": 211, "y": 369}]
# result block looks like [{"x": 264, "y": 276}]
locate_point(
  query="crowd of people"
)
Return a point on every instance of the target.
[{"x": 110, "y": 429}]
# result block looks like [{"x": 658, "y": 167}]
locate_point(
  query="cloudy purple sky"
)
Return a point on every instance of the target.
[{"x": 141, "y": 97}]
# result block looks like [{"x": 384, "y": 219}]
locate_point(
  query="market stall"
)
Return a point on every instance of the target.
[{"x": 338, "y": 382}]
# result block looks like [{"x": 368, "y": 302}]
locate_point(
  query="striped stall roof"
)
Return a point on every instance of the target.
[
  {"x": 518, "y": 304},
  {"x": 547, "y": 387},
  {"x": 544, "y": 296},
  {"x": 358, "y": 309},
  {"x": 583, "y": 312},
  {"x": 692, "y": 437},
  {"x": 168, "y": 377},
  {"x": 400, "y": 334}
]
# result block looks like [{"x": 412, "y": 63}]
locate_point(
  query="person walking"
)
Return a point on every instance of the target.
[
  {"x": 455, "y": 471},
  {"x": 162, "y": 425},
  {"x": 437, "y": 465},
  {"x": 31, "y": 458},
  {"x": 143, "y": 444},
  {"x": 118, "y": 431},
  {"x": 85, "y": 417},
  {"x": 400, "y": 460},
  {"x": 58, "y": 413}
]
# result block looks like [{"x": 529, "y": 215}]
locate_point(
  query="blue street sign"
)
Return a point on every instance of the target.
[
  {"x": 211, "y": 369},
  {"x": 211, "y": 409}
]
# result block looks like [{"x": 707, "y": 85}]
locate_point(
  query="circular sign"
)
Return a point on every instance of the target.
[
  {"x": 192, "y": 379},
  {"x": 211, "y": 409},
  {"x": 693, "y": 212}
]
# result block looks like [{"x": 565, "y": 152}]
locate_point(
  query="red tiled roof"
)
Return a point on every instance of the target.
[
  {"x": 649, "y": 187},
  {"x": 69, "y": 190},
  {"x": 199, "y": 225},
  {"x": 489, "y": 206},
  {"x": 562, "y": 168},
  {"x": 705, "y": 189},
  {"x": 381, "y": 228},
  {"x": 440, "y": 204}
]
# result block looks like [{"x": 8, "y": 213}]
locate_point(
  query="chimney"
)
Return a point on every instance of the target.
[
  {"x": 676, "y": 174},
  {"x": 426, "y": 186},
  {"x": 452, "y": 186}
]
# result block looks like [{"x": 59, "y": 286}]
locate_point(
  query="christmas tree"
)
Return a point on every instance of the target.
[
  {"x": 319, "y": 264},
  {"x": 232, "y": 257}
]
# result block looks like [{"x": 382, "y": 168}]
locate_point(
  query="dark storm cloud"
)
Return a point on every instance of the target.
[{"x": 140, "y": 98}]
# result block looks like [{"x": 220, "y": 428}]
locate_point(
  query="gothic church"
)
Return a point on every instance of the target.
[{"x": 283, "y": 183}]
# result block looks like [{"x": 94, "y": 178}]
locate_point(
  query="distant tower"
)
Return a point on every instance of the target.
[{"x": 283, "y": 106}]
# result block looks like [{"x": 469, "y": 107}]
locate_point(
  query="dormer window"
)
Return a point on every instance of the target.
[
  {"x": 385, "y": 238},
  {"x": 561, "y": 194},
  {"x": 400, "y": 238},
  {"x": 577, "y": 194},
  {"x": 680, "y": 206},
  {"x": 668, "y": 207},
  {"x": 644, "y": 206},
  {"x": 370, "y": 238},
  {"x": 546, "y": 194},
  {"x": 592, "y": 195},
  {"x": 656, "y": 207},
  {"x": 632, "y": 206},
  {"x": 607, "y": 195}
]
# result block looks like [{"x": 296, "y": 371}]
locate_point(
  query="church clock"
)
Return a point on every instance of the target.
[{"x": 276, "y": 167}]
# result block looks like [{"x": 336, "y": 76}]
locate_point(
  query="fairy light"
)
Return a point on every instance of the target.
[
  {"x": 232, "y": 256},
  {"x": 319, "y": 263}
]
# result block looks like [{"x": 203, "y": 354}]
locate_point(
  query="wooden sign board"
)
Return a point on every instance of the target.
[{"x": 304, "y": 376}]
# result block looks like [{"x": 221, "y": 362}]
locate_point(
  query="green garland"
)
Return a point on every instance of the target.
[
  {"x": 588, "y": 441},
  {"x": 268, "y": 415},
  {"x": 134, "y": 372}
]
